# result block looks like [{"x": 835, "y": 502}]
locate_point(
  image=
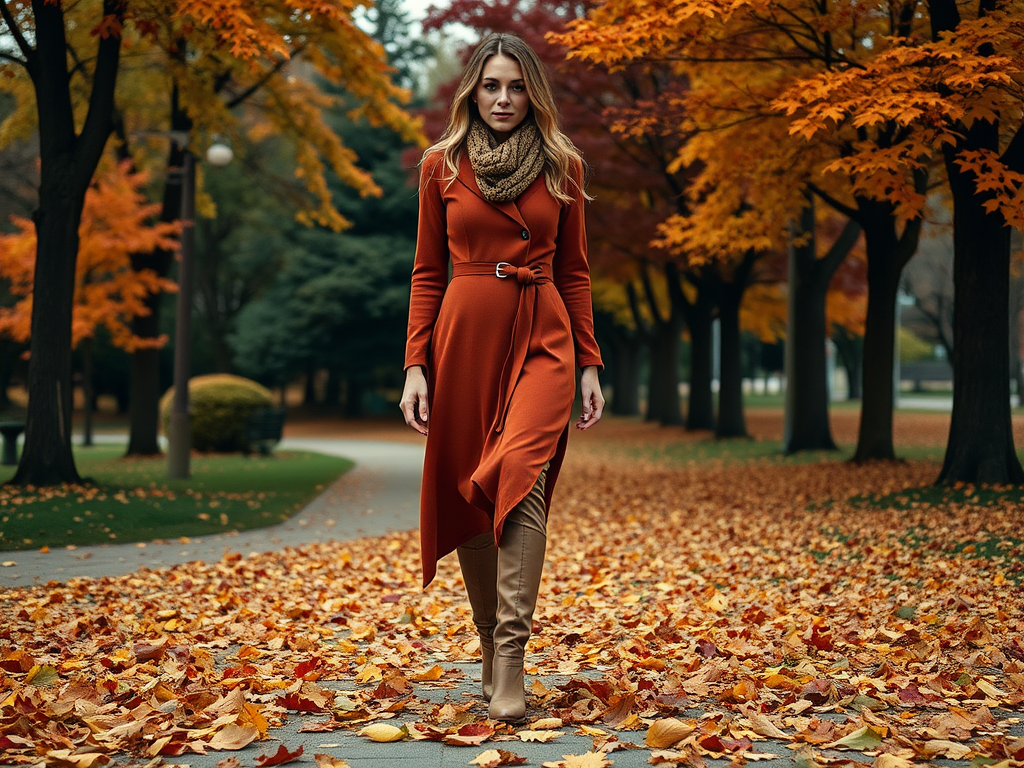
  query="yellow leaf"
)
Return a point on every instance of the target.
[
  {"x": 666, "y": 732},
  {"x": 542, "y": 736},
  {"x": 383, "y": 732}
]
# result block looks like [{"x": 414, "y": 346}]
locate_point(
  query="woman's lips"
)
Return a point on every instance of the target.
[{"x": 501, "y": 115}]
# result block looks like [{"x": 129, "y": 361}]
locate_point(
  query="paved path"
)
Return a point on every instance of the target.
[{"x": 379, "y": 495}]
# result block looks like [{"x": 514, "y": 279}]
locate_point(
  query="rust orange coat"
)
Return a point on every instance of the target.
[{"x": 499, "y": 352}]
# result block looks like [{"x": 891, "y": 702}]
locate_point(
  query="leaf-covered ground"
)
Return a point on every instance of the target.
[{"x": 704, "y": 606}]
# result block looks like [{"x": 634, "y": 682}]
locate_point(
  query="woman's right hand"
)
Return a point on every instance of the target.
[{"x": 414, "y": 399}]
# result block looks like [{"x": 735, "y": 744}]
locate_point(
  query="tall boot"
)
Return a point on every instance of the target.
[
  {"x": 520, "y": 563},
  {"x": 478, "y": 558}
]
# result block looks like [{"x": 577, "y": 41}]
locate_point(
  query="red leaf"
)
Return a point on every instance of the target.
[
  {"x": 280, "y": 757},
  {"x": 305, "y": 667}
]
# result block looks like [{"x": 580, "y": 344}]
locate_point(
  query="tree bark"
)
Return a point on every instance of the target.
[
  {"x": 980, "y": 447},
  {"x": 625, "y": 348},
  {"x": 699, "y": 316},
  {"x": 887, "y": 254},
  {"x": 851, "y": 351},
  {"x": 807, "y": 426},
  {"x": 731, "y": 419},
  {"x": 88, "y": 392},
  {"x": 144, "y": 401},
  {"x": 67, "y": 164},
  {"x": 663, "y": 402}
]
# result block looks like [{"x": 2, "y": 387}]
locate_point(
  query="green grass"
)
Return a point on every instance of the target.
[
  {"x": 132, "y": 500},
  {"x": 731, "y": 451}
]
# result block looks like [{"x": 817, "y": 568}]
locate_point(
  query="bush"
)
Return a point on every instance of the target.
[{"x": 220, "y": 404}]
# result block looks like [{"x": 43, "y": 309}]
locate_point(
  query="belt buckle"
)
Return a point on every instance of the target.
[{"x": 497, "y": 269}]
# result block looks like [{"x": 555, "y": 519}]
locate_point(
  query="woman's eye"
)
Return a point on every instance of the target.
[{"x": 519, "y": 88}]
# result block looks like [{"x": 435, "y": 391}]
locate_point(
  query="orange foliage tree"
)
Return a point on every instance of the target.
[
  {"x": 956, "y": 93},
  {"x": 64, "y": 60},
  {"x": 117, "y": 222},
  {"x": 782, "y": 65}
]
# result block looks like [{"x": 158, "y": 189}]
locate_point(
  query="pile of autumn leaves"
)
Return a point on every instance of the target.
[{"x": 706, "y": 612}]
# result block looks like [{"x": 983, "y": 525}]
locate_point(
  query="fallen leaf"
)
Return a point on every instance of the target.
[
  {"x": 587, "y": 760},
  {"x": 233, "y": 737},
  {"x": 541, "y": 736},
  {"x": 666, "y": 732},
  {"x": 280, "y": 757},
  {"x": 493, "y": 758},
  {"x": 329, "y": 761},
  {"x": 384, "y": 732}
]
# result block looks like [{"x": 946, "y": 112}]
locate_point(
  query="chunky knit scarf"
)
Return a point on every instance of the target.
[{"x": 504, "y": 171}]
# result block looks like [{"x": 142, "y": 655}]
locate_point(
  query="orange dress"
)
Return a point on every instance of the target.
[{"x": 499, "y": 315}]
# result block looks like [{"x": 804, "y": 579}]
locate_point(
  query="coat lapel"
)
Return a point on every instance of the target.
[{"x": 468, "y": 180}]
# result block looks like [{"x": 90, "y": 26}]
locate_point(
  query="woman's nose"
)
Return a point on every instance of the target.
[{"x": 503, "y": 97}]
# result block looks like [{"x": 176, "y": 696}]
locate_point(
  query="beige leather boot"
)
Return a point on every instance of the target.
[
  {"x": 520, "y": 563},
  {"x": 478, "y": 559}
]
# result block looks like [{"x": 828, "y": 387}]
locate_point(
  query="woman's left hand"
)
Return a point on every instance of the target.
[{"x": 593, "y": 400}]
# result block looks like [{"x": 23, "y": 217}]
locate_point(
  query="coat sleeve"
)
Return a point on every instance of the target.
[
  {"x": 430, "y": 269},
  {"x": 572, "y": 274}
]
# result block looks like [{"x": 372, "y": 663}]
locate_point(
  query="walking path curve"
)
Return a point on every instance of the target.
[{"x": 380, "y": 494}]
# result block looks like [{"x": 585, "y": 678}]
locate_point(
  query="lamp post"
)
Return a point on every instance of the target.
[{"x": 179, "y": 433}]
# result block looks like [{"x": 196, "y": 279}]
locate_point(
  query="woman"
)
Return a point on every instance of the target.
[{"x": 490, "y": 352}]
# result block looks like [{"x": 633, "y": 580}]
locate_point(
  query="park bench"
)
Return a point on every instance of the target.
[{"x": 263, "y": 430}]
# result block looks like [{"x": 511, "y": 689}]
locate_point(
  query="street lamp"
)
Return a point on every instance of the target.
[{"x": 179, "y": 432}]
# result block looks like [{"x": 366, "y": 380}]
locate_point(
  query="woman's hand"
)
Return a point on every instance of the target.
[
  {"x": 593, "y": 400},
  {"x": 414, "y": 399}
]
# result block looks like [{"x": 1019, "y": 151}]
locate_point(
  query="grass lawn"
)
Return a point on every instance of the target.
[{"x": 131, "y": 499}]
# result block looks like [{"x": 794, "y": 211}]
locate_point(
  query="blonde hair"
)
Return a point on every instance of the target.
[{"x": 559, "y": 152}]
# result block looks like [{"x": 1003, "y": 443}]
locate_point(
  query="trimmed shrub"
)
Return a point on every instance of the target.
[{"x": 220, "y": 404}]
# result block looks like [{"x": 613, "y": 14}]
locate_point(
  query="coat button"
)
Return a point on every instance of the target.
[{"x": 526, "y": 235}]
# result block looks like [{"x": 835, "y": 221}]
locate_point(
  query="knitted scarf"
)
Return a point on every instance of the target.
[{"x": 504, "y": 171}]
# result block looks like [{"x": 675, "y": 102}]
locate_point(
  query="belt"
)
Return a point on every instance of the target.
[{"x": 528, "y": 278}]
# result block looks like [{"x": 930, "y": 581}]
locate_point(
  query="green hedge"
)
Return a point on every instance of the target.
[{"x": 219, "y": 405}]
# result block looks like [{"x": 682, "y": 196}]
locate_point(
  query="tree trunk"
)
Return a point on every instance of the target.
[
  {"x": 624, "y": 349},
  {"x": 701, "y": 403},
  {"x": 88, "y": 392},
  {"x": 47, "y": 458},
  {"x": 874, "y": 437},
  {"x": 731, "y": 421},
  {"x": 626, "y": 378},
  {"x": 851, "y": 350},
  {"x": 67, "y": 163},
  {"x": 980, "y": 447},
  {"x": 144, "y": 401},
  {"x": 663, "y": 403},
  {"x": 807, "y": 426}
]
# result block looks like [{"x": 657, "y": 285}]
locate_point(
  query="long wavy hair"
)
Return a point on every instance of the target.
[{"x": 559, "y": 151}]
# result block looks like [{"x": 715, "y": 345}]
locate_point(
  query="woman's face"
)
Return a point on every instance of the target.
[{"x": 501, "y": 95}]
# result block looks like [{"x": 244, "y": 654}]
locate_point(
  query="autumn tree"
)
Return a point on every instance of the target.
[
  {"x": 117, "y": 222},
  {"x": 745, "y": 60},
  {"x": 954, "y": 93},
  {"x": 217, "y": 57}
]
